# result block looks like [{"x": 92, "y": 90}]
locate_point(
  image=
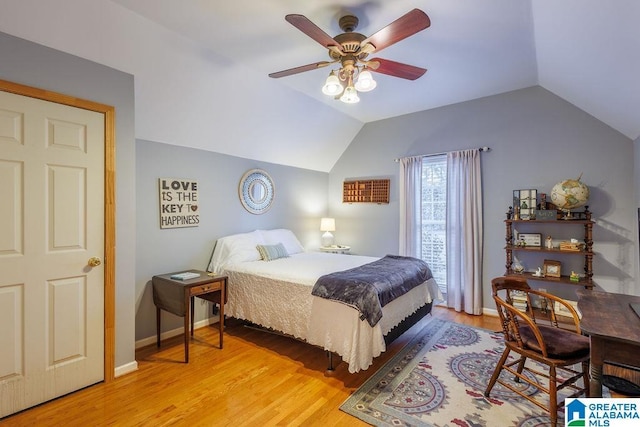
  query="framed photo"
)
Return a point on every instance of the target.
[
  {"x": 530, "y": 239},
  {"x": 551, "y": 268}
]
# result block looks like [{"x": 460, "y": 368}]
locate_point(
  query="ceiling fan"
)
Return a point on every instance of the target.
[{"x": 351, "y": 50}]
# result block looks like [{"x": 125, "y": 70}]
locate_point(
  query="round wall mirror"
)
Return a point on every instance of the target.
[{"x": 256, "y": 191}]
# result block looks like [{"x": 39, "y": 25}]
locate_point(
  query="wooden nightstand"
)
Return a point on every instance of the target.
[
  {"x": 177, "y": 297},
  {"x": 336, "y": 249}
]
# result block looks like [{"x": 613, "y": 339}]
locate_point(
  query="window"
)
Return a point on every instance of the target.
[{"x": 434, "y": 214}]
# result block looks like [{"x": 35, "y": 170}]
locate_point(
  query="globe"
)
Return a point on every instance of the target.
[{"x": 569, "y": 194}]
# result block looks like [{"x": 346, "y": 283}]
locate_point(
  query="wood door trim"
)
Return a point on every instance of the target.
[{"x": 109, "y": 205}]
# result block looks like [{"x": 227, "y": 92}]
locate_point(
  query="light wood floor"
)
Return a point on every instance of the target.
[{"x": 258, "y": 379}]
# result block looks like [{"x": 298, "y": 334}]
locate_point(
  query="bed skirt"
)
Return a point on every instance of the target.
[{"x": 407, "y": 323}]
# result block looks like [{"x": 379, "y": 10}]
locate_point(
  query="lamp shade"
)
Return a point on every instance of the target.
[
  {"x": 365, "y": 82},
  {"x": 350, "y": 95},
  {"x": 332, "y": 86},
  {"x": 327, "y": 224}
]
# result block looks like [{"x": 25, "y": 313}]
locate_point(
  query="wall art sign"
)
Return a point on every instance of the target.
[{"x": 178, "y": 203}]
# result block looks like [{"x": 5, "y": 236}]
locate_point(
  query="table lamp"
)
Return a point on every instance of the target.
[{"x": 327, "y": 225}]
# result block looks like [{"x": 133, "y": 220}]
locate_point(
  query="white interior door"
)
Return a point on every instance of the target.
[{"x": 51, "y": 224}]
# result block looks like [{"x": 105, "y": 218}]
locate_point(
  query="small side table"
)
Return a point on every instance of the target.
[
  {"x": 177, "y": 297},
  {"x": 336, "y": 249}
]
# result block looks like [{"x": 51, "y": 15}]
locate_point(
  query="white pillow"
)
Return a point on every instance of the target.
[
  {"x": 284, "y": 236},
  {"x": 235, "y": 249}
]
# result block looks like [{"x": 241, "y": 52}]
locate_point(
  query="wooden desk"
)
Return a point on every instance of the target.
[
  {"x": 174, "y": 296},
  {"x": 614, "y": 331}
]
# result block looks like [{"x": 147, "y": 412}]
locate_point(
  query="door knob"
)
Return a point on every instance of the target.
[{"x": 94, "y": 261}]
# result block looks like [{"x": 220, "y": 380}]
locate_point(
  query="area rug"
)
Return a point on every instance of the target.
[{"x": 438, "y": 380}]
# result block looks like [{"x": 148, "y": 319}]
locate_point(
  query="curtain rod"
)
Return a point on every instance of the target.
[{"x": 481, "y": 149}]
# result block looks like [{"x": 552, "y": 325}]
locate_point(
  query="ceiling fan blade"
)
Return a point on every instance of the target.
[
  {"x": 395, "y": 69},
  {"x": 403, "y": 27},
  {"x": 300, "y": 69},
  {"x": 302, "y": 23}
]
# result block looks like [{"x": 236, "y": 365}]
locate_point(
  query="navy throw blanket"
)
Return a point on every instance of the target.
[{"x": 370, "y": 287}]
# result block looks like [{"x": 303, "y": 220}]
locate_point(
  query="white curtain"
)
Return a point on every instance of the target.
[
  {"x": 464, "y": 231},
  {"x": 410, "y": 204}
]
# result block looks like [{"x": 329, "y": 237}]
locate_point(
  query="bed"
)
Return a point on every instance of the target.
[{"x": 277, "y": 294}]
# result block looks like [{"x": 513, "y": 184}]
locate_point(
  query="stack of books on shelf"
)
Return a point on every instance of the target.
[{"x": 519, "y": 300}]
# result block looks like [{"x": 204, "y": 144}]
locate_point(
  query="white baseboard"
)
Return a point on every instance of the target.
[
  {"x": 490, "y": 312},
  {"x": 172, "y": 333},
  {"x": 126, "y": 369},
  {"x": 487, "y": 311}
]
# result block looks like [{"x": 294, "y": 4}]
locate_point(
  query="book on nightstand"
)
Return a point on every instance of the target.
[{"x": 187, "y": 275}]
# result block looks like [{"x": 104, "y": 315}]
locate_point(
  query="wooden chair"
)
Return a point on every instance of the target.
[{"x": 538, "y": 336}]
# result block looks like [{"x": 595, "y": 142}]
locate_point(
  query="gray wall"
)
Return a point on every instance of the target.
[
  {"x": 300, "y": 200},
  {"x": 537, "y": 140},
  {"x": 37, "y": 66},
  {"x": 142, "y": 249}
]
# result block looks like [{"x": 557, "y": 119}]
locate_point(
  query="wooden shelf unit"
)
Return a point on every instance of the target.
[
  {"x": 587, "y": 252},
  {"x": 366, "y": 191}
]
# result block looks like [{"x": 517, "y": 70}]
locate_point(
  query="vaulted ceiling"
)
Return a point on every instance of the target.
[{"x": 201, "y": 66}]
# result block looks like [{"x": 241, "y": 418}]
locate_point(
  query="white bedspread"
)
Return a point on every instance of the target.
[{"x": 277, "y": 294}]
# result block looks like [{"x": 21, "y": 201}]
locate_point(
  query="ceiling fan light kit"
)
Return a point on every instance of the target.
[
  {"x": 351, "y": 49},
  {"x": 333, "y": 86}
]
